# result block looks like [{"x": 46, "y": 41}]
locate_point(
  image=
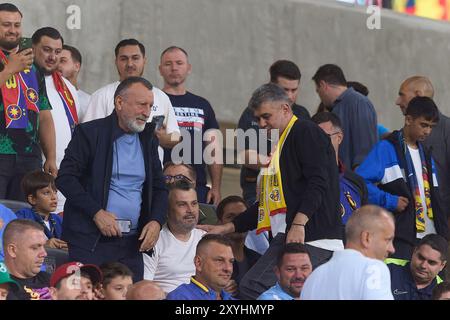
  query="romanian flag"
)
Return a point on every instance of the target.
[{"x": 433, "y": 9}]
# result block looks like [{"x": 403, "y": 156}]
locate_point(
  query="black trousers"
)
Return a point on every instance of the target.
[
  {"x": 113, "y": 249},
  {"x": 262, "y": 275},
  {"x": 12, "y": 170}
]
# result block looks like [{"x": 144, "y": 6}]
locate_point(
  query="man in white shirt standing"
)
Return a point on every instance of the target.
[
  {"x": 62, "y": 95},
  {"x": 69, "y": 66},
  {"x": 172, "y": 261},
  {"x": 130, "y": 61},
  {"x": 358, "y": 272}
]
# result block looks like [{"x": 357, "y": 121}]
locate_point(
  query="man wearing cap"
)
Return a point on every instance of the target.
[
  {"x": 5, "y": 281},
  {"x": 68, "y": 282}
]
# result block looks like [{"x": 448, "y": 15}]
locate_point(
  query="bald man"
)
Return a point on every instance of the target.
[
  {"x": 439, "y": 139},
  {"x": 358, "y": 272},
  {"x": 145, "y": 290}
]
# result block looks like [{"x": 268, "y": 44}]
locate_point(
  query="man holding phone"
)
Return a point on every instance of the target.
[{"x": 26, "y": 126}]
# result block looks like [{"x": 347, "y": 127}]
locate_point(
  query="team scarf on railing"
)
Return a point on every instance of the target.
[
  {"x": 20, "y": 95},
  {"x": 271, "y": 201},
  {"x": 67, "y": 100},
  {"x": 414, "y": 185}
]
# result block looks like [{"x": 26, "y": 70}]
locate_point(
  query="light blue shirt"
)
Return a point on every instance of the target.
[
  {"x": 275, "y": 293},
  {"x": 127, "y": 179}
]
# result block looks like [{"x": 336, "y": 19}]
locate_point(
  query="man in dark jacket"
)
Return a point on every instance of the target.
[
  {"x": 353, "y": 189},
  {"x": 112, "y": 179},
  {"x": 299, "y": 199},
  {"x": 401, "y": 176}
]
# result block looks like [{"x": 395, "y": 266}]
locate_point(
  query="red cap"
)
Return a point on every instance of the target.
[{"x": 70, "y": 268}]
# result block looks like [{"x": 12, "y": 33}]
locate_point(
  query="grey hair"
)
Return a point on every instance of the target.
[{"x": 269, "y": 92}]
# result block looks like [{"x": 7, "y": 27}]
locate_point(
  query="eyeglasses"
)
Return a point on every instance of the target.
[
  {"x": 332, "y": 134},
  {"x": 168, "y": 178}
]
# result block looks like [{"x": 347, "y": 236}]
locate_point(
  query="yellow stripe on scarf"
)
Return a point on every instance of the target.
[{"x": 271, "y": 200}]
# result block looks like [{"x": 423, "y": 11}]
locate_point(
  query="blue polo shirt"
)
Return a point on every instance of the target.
[
  {"x": 404, "y": 287},
  {"x": 275, "y": 293},
  {"x": 196, "y": 291}
]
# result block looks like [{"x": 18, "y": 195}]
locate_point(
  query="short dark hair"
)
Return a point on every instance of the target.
[
  {"x": 173, "y": 48},
  {"x": 48, "y": 32},
  {"x": 125, "y": 84},
  {"x": 9, "y": 7},
  {"x": 330, "y": 73},
  {"x": 182, "y": 184},
  {"x": 208, "y": 238},
  {"x": 324, "y": 116},
  {"x": 436, "y": 242},
  {"x": 268, "y": 92},
  {"x": 190, "y": 168},
  {"x": 290, "y": 248},
  {"x": 35, "y": 180},
  {"x": 18, "y": 227},
  {"x": 441, "y": 288},
  {"x": 423, "y": 107},
  {"x": 359, "y": 87},
  {"x": 284, "y": 68},
  {"x": 230, "y": 199},
  {"x": 129, "y": 42},
  {"x": 74, "y": 53},
  {"x": 110, "y": 270}
]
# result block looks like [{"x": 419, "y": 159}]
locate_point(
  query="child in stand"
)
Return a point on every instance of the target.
[{"x": 40, "y": 191}]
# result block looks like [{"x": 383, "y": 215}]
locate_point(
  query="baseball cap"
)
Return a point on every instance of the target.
[
  {"x": 70, "y": 268},
  {"x": 5, "y": 277}
]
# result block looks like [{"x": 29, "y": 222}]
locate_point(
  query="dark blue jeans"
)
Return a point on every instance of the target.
[
  {"x": 113, "y": 249},
  {"x": 12, "y": 170}
]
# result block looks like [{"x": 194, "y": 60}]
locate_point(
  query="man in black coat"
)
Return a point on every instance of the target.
[{"x": 112, "y": 178}]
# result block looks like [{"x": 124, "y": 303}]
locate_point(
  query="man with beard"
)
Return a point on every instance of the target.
[
  {"x": 172, "y": 262},
  {"x": 292, "y": 269},
  {"x": 26, "y": 126},
  {"x": 130, "y": 62},
  {"x": 62, "y": 95},
  {"x": 113, "y": 182},
  {"x": 213, "y": 268}
]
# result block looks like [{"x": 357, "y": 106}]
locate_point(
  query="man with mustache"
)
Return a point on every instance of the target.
[
  {"x": 62, "y": 95},
  {"x": 26, "y": 124},
  {"x": 130, "y": 62},
  {"x": 292, "y": 269},
  {"x": 112, "y": 178},
  {"x": 24, "y": 242},
  {"x": 401, "y": 177},
  {"x": 358, "y": 272},
  {"x": 172, "y": 262}
]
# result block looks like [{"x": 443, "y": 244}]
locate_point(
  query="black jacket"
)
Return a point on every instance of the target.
[
  {"x": 310, "y": 181},
  {"x": 85, "y": 174}
]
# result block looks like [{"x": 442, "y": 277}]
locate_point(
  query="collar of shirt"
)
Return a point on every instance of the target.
[{"x": 204, "y": 290}]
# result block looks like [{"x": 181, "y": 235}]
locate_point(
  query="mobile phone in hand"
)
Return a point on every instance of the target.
[
  {"x": 158, "y": 121},
  {"x": 24, "y": 43}
]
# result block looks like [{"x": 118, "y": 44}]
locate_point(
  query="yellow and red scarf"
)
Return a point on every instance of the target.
[{"x": 271, "y": 200}]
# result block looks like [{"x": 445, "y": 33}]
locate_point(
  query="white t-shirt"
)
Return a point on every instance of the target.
[
  {"x": 101, "y": 105},
  {"x": 349, "y": 276},
  {"x": 172, "y": 262},
  {"x": 84, "y": 102},
  {"x": 429, "y": 224},
  {"x": 62, "y": 128}
]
